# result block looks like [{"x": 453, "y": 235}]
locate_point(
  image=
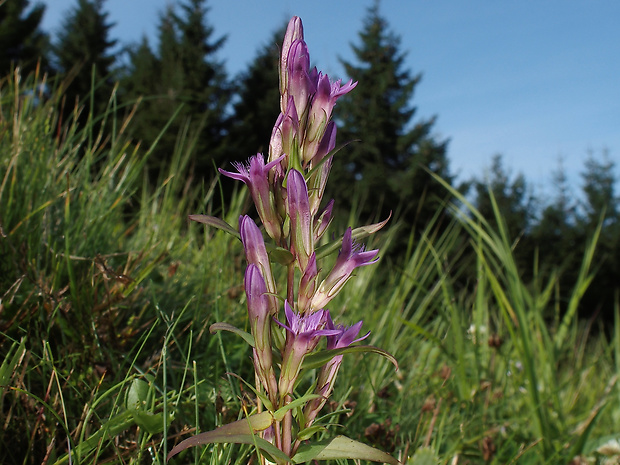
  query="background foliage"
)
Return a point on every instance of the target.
[{"x": 500, "y": 307}]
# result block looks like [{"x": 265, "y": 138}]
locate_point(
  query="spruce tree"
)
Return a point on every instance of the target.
[
  {"x": 600, "y": 202},
  {"x": 82, "y": 53},
  {"x": 257, "y": 107},
  {"x": 388, "y": 159},
  {"x": 22, "y": 43},
  {"x": 191, "y": 84},
  {"x": 555, "y": 233},
  {"x": 514, "y": 200},
  {"x": 516, "y": 205}
]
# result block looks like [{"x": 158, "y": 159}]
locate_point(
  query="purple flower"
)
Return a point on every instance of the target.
[
  {"x": 307, "y": 285},
  {"x": 303, "y": 335},
  {"x": 351, "y": 256},
  {"x": 325, "y": 381},
  {"x": 256, "y": 254},
  {"x": 284, "y": 137},
  {"x": 322, "y": 105},
  {"x": 326, "y": 145},
  {"x": 298, "y": 203},
  {"x": 323, "y": 220},
  {"x": 345, "y": 337},
  {"x": 256, "y": 176},
  {"x": 259, "y": 313},
  {"x": 300, "y": 84},
  {"x": 294, "y": 32}
]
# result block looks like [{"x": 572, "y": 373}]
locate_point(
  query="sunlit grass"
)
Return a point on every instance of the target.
[{"x": 108, "y": 294}]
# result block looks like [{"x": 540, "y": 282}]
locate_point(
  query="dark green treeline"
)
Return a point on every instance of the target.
[{"x": 181, "y": 96}]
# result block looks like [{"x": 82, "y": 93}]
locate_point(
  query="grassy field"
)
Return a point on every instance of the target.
[{"x": 107, "y": 294}]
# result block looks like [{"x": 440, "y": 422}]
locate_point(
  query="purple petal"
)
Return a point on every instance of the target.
[{"x": 298, "y": 205}]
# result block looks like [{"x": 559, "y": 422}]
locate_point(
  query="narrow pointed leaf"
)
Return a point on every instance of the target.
[
  {"x": 307, "y": 433},
  {"x": 216, "y": 223},
  {"x": 320, "y": 358},
  {"x": 238, "y": 432},
  {"x": 356, "y": 234},
  {"x": 278, "y": 415},
  {"x": 247, "y": 337},
  {"x": 341, "y": 447}
]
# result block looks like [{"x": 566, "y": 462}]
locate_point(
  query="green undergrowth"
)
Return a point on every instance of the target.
[{"x": 107, "y": 294}]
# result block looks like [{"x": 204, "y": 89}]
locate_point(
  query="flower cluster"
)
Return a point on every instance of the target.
[{"x": 287, "y": 190}]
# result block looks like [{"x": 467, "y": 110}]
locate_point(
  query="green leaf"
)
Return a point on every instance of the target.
[
  {"x": 281, "y": 256},
  {"x": 357, "y": 234},
  {"x": 318, "y": 359},
  {"x": 136, "y": 403},
  {"x": 308, "y": 432},
  {"x": 424, "y": 456},
  {"x": 216, "y": 223},
  {"x": 12, "y": 359},
  {"x": 152, "y": 423},
  {"x": 341, "y": 447},
  {"x": 239, "y": 432},
  {"x": 247, "y": 337},
  {"x": 137, "y": 394},
  {"x": 278, "y": 415}
]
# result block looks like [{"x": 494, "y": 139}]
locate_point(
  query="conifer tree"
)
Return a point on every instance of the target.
[
  {"x": 257, "y": 107},
  {"x": 600, "y": 202},
  {"x": 189, "y": 77},
  {"x": 599, "y": 180},
  {"x": 82, "y": 53},
  {"x": 512, "y": 196},
  {"x": 388, "y": 161},
  {"x": 555, "y": 233},
  {"x": 516, "y": 205},
  {"x": 21, "y": 41}
]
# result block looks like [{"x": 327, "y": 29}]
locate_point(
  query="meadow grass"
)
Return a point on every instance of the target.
[{"x": 107, "y": 294}]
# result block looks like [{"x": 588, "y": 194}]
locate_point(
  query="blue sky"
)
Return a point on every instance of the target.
[{"x": 535, "y": 81}]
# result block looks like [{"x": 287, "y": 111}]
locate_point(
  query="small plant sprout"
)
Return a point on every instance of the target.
[{"x": 292, "y": 332}]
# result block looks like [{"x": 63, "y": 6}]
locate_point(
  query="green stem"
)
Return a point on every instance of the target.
[
  {"x": 287, "y": 428},
  {"x": 290, "y": 285}
]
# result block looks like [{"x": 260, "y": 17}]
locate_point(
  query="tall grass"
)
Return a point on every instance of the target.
[
  {"x": 490, "y": 371},
  {"x": 107, "y": 294}
]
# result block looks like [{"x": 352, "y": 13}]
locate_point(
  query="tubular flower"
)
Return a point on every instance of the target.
[
  {"x": 298, "y": 203},
  {"x": 325, "y": 382},
  {"x": 323, "y": 220},
  {"x": 300, "y": 84},
  {"x": 294, "y": 32},
  {"x": 256, "y": 254},
  {"x": 260, "y": 323},
  {"x": 322, "y": 105},
  {"x": 284, "y": 138},
  {"x": 307, "y": 285},
  {"x": 350, "y": 257},
  {"x": 302, "y": 336},
  {"x": 256, "y": 176},
  {"x": 318, "y": 178}
]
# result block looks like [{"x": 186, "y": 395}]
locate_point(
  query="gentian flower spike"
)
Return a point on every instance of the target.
[
  {"x": 350, "y": 257},
  {"x": 256, "y": 254},
  {"x": 259, "y": 313},
  {"x": 256, "y": 176},
  {"x": 298, "y": 206},
  {"x": 302, "y": 336}
]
